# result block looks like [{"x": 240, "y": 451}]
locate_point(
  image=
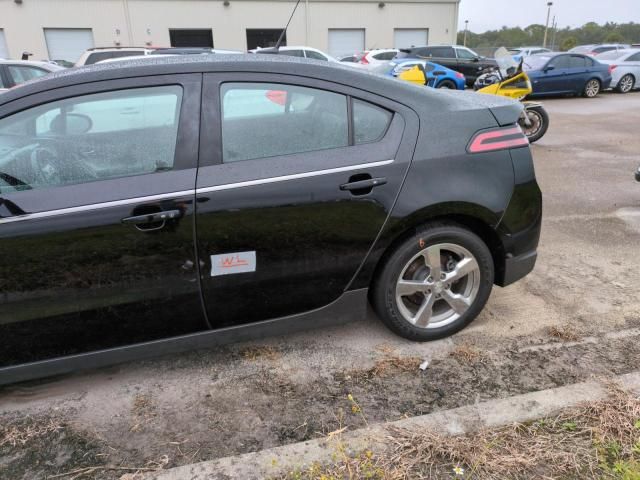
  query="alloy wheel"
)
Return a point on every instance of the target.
[
  {"x": 626, "y": 83},
  {"x": 438, "y": 285},
  {"x": 593, "y": 88}
]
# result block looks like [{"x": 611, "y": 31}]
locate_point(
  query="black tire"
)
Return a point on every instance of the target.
[
  {"x": 543, "y": 117},
  {"x": 383, "y": 290},
  {"x": 626, "y": 83},
  {"x": 588, "y": 92},
  {"x": 448, "y": 84}
]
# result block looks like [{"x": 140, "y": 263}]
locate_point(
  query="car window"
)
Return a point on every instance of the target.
[
  {"x": 577, "y": 62},
  {"x": 292, "y": 53},
  {"x": 465, "y": 54},
  {"x": 370, "y": 122},
  {"x": 560, "y": 62},
  {"x": 262, "y": 120},
  {"x": 603, "y": 49},
  {"x": 385, "y": 55},
  {"x": 440, "y": 52},
  {"x": 89, "y": 138},
  {"x": 22, "y": 73},
  {"x": 99, "y": 56},
  {"x": 535, "y": 63},
  {"x": 634, "y": 58},
  {"x": 315, "y": 55}
]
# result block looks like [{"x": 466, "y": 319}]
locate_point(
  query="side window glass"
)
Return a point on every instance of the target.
[
  {"x": 315, "y": 55},
  {"x": 465, "y": 54},
  {"x": 560, "y": 62},
  {"x": 292, "y": 53},
  {"x": 22, "y": 74},
  {"x": 370, "y": 122},
  {"x": 577, "y": 62},
  {"x": 89, "y": 138},
  {"x": 262, "y": 120},
  {"x": 634, "y": 58}
]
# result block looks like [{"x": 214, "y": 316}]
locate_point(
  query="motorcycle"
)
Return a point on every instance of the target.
[{"x": 510, "y": 80}]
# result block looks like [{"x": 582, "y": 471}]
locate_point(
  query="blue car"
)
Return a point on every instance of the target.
[
  {"x": 566, "y": 73},
  {"x": 437, "y": 75}
]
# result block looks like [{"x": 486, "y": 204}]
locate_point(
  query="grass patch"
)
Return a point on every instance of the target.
[
  {"x": 598, "y": 440},
  {"x": 565, "y": 333}
]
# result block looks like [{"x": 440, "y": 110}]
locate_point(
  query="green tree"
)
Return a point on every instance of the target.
[
  {"x": 614, "y": 37},
  {"x": 568, "y": 43}
]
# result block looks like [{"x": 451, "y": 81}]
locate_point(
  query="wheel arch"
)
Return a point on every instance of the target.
[{"x": 474, "y": 218}]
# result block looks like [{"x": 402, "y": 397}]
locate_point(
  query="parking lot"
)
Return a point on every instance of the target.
[{"x": 576, "y": 316}]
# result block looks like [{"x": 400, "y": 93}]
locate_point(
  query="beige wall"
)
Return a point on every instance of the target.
[{"x": 150, "y": 20}]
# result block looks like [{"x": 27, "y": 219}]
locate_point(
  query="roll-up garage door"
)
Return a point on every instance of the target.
[
  {"x": 344, "y": 41},
  {"x": 67, "y": 43},
  {"x": 410, "y": 37},
  {"x": 4, "y": 51}
]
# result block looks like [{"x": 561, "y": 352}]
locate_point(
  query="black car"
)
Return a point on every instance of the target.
[
  {"x": 460, "y": 59},
  {"x": 182, "y": 202}
]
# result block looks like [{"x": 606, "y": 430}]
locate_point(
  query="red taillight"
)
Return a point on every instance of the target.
[
  {"x": 364, "y": 60},
  {"x": 612, "y": 68},
  {"x": 500, "y": 139},
  {"x": 459, "y": 75}
]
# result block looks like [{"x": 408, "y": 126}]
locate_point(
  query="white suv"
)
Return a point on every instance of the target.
[
  {"x": 378, "y": 56},
  {"x": 301, "y": 52},
  {"x": 95, "y": 55}
]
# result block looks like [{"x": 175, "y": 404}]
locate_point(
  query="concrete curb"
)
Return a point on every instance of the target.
[{"x": 493, "y": 413}]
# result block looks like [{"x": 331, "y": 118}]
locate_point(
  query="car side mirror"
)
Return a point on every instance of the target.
[
  {"x": 476, "y": 59},
  {"x": 70, "y": 124},
  {"x": 414, "y": 75},
  {"x": 548, "y": 68}
]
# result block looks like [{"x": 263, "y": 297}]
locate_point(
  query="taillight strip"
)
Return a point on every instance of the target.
[{"x": 500, "y": 139}]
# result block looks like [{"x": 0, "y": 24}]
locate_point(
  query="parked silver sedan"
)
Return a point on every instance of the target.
[
  {"x": 625, "y": 68},
  {"x": 15, "y": 72}
]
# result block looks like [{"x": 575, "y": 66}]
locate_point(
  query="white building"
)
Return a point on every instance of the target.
[{"x": 63, "y": 29}]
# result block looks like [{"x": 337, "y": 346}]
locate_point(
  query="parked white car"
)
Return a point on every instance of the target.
[
  {"x": 378, "y": 56},
  {"x": 296, "y": 51},
  {"x": 625, "y": 68},
  {"x": 15, "y": 72},
  {"x": 527, "y": 51},
  {"x": 95, "y": 55}
]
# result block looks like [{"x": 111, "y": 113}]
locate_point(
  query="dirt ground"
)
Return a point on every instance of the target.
[{"x": 576, "y": 316}]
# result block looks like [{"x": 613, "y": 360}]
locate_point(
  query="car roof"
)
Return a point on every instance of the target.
[{"x": 401, "y": 92}]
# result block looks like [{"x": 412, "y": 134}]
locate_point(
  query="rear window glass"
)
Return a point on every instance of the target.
[{"x": 370, "y": 122}]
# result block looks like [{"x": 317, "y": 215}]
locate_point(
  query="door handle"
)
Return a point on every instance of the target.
[
  {"x": 366, "y": 184},
  {"x": 152, "y": 221}
]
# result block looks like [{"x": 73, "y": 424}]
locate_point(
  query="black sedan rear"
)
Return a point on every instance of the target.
[{"x": 178, "y": 203}]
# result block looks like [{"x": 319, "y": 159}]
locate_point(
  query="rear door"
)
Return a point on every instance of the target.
[
  {"x": 97, "y": 184},
  {"x": 291, "y": 192}
]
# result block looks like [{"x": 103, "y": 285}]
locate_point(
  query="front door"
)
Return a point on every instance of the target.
[
  {"x": 96, "y": 217},
  {"x": 556, "y": 79},
  {"x": 297, "y": 179}
]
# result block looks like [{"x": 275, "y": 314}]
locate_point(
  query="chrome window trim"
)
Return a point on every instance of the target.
[
  {"x": 295, "y": 176},
  {"x": 183, "y": 193}
]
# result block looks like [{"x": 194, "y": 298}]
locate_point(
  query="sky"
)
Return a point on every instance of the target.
[{"x": 493, "y": 14}]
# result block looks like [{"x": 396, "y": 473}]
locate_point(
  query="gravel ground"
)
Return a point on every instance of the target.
[{"x": 576, "y": 316}]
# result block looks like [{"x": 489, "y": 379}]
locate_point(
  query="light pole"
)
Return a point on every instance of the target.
[
  {"x": 466, "y": 27},
  {"x": 546, "y": 27}
]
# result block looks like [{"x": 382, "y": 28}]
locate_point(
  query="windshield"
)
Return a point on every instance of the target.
[
  {"x": 505, "y": 61},
  {"x": 535, "y": 62},
  {"x": 610, "y": 55}
]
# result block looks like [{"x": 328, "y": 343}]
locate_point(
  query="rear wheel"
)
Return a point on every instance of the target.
[
  {"x": 626, "y": 83},
  {"x": 534, "y": 122},
  {"x": 592, "y": 88},
  {"x": 434, "y": 283},
  {"x": 448, "y": 84}
]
